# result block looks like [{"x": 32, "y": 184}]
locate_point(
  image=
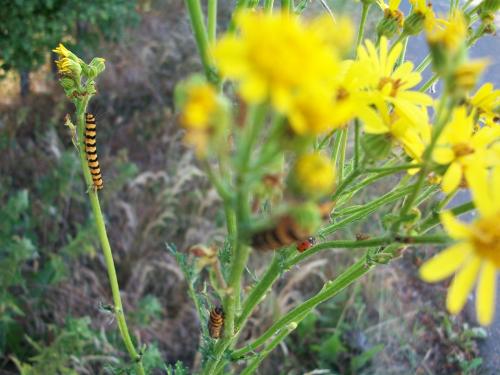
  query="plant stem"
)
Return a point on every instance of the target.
[
  {"x": 343, "y": 149},
  {"x": 201, "y": 37},
  {"x": 357, "y": 143},
  {"x": 268, "y": 6},
  {"x": 103, "y": 237},
  {"x": 433, "y": 220},
  {"x": 442, "y": 115},
  {"x": 423, "y": 64},
  {"x": 362, "y": 22},
  {"x": 256, "y": 361},
  {"x": 365, "y": 210},
  {"x": 329, "y": 290},
  {"x": 395, "y": 168},
  {"x": 258, "y": 291},
  {"x": 287, "y": 6},
  {"x": 333, "y": 287},
  {"x": 212, "y": 20}
]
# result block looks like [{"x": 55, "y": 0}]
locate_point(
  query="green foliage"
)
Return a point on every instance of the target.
[
  {"x": 149, "y": 308},
  {"x": 24, "y": 45},
  {"x": 70, "y": 344},
  {"x": 343, "y": 351},
  {"x": 178, "y": 369}
]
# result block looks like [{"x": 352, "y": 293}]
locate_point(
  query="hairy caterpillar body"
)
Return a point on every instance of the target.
[
  {"x": 284, "y": 233},
  {"x": 287, "y": 232},
  {"x": 91, "y": 150},
  {"x": 216, "y": 322}
]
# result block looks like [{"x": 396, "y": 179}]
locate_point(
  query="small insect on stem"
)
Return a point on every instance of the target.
[
  {"x": 306, "y": 244},
  {"x": 216, "y": 322},
  {"x": 91, "y": 150}
]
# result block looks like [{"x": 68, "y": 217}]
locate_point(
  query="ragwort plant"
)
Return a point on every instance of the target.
[{"x": 292, "y": 119}]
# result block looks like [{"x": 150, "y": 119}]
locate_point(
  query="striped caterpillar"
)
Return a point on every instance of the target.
[
  {"x": 216, "y": 322},
  {"x": 286, "y": 232},
  {"x": 91, "y": 150}
]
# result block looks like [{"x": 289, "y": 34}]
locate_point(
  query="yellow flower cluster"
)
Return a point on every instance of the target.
[
  {"x": 279, "y": 58},
  {"x": 68, "y": 63},
  {"x": 202, "y": 115},
  {"x": 461, "y": 147},
  {"x": 400, "y": 110},
  {"x": 486, "y": 103},
  {"x": 476, "y": 255}
]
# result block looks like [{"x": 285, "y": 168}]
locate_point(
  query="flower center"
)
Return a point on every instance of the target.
[
  {"x": 462, "y": 149},
  {"x": 342, "y": 94},
  {"x": 395, "y": 85},
  {"x": 486, "y": 238}
]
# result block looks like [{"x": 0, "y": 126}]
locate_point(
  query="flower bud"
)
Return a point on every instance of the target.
[
  {"x": 391, "y": 23},
  {"x": 67, "y": 83},
  {"x": 95, "y": 68},
  {"x": 414, "y": 23}
]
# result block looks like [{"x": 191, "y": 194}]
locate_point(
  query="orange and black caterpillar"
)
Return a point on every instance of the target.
[
  {"x": 216, "y": 322},
  {"x": 91, "y": 150},
  {"x": 286, "y": 232}
]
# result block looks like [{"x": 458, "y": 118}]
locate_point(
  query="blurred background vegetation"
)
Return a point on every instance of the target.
[{"x": 53, "y": 285}]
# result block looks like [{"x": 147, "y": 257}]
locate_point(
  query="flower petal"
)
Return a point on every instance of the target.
[
  {"x": 443, "y": 155},
  {"x": 455, "y": 228},
  {"x": 445, "y": 263},
  {"x": 452, "y": 178},
  {"x": 462, "y": 285},
  {"x": 485, "y": 293},
  {"x": 477, "y": 178}
]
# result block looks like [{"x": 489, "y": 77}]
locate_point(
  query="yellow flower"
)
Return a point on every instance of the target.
[
  {"x": 62, "y": 51},
  {"x": 487, "y": 103},
  {"x": 392, "y": 11},
  {"x": 413, "y": 139},
  {"x": 462, "y": 149},
  {"x": 449, "y": 34},
  {"x": 314, "y": 175},
  {"x": 385, "y": 85},
  {"x": 422, "y": 7},
  {"x": 476, "y": 255},
  {"x": 202, "y": 116},
  {"x": 467, "y": 74},
  {"x": 68, "y": 63},
  {"x": 199, "y": 107},
  {"x": 274, "y": 55}
]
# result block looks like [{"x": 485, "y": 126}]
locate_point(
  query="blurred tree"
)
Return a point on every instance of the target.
[{"x": 31, "y": 28}]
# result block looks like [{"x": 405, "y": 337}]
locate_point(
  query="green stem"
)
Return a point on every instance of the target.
[
  {"x": 257, "y": 360},
  {"x": 268, "y": 6},
  {"x": 442, "y": 115},
  {"x": 103, "y": 237},
  {"x": 362, "y": 212},
  {"x": 287, "y": 5},
  {"x": 338, "y": 244},
  {"x": 201, "y": 37},
  {"x": 332, "y": 288},
  {"x": 429, "y": 83},
  {"x": 433, "y": 220},
  {"x": 212, "y": 20},
  {"x": 361, "y": 30},
  {"x": 343, "y": 149},
  {"x": 329, "y": 290},
  {"x": 258, "y": 291},
  {"x": 395, "y": 168},
  {"x": 423, "y": 64},
  {"x": 357, "y": 143}
]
